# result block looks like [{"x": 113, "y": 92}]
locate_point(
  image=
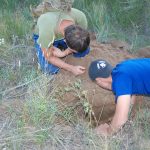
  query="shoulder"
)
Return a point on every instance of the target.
[
  {"x": 79, "y": 17},
  {"x": 77, "y": 12},
  {"x": 121, "y": 84},
  {"x": 48, "y": 16},
  {"x": 120, "y": 76},
  {"x": 118, "y": 70},
  {"x": 124, "y": 67}
]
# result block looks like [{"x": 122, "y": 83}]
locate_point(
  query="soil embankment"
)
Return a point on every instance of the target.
[{"x": 101, "y": 101}]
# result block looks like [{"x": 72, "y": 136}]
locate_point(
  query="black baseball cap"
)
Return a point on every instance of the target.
[{"x": 99, "y": 68}]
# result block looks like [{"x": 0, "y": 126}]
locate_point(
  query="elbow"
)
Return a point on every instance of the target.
[{"x": 51, "y": 59}]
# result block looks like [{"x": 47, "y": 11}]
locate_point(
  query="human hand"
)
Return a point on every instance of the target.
[
  {"x": 102, "y": 130},
  {"x": 77, "y": 70}
]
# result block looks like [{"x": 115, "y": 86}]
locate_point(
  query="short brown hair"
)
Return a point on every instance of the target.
[{"x": 77, "y": 38}]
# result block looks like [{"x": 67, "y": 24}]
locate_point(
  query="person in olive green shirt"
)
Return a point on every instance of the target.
[{"x": 71, "y": 27}]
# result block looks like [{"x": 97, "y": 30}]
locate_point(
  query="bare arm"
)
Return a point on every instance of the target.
[
  {"x": 120, "y": 117},
  {"x": 121, "y": 113},
  {"x": 76, "y": 70},
  {"x": 58, "y": 53}
]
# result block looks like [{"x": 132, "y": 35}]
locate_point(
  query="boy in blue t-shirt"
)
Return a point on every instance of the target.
[{"x": 127, "y": 79}]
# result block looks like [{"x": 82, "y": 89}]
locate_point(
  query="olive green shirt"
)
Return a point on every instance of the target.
[{"x": 48, "y": 23}]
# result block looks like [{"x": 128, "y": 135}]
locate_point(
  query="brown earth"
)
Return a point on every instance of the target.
[
  {"x": 73, "y": 91},
  {"x": 144, "y": 52},
  {"x": 101, "y": 101}
]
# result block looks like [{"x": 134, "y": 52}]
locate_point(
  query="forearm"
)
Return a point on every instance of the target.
[
  {"x": 121, "y": 114},
  {"x": 60, "y": 63},
  {"x": 115, "y": 125},
  {"x": 58, "y": 53},
  {"x": 51, "y": 58},
  {"x": 48, "y": 54}
]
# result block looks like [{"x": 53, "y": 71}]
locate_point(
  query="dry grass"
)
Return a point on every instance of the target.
[
  {"x": 40, "y": 121},
  {"x": 32, "y": 115}
]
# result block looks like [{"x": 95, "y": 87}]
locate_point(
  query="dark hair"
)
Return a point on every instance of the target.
[{"x": 77, "y": 38}]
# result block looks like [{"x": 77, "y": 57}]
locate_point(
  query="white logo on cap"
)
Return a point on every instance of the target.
[{"x": 101, "y": 64}]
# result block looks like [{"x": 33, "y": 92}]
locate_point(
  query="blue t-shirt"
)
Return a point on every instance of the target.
[{"x": 131, "y": 77}]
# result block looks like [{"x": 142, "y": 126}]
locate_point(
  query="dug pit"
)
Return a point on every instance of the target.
[{"x": 94, "y": 101}]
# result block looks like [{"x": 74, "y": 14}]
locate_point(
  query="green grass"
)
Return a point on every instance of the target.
[
  {"x": 15, "y": 19},
  {"x": 12, "y": 5},
  {"x": 39, "y": 118},
  {"x": 123, "y": 20},
  {"x": 13, "y": 24},
  {"x": 36, "y": 124},
  {"x": 39, "y": 112},
  {"x": 16, "y": 65}
]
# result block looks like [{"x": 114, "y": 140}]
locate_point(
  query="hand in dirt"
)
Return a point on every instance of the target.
[
  {"x": 102, "y": 129},
  {"x": 77, "y": 70}
]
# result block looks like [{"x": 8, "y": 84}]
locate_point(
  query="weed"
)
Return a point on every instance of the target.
[
  {"x": 13, "y": 25},
  {"x": 142, "y": 121},
  {"x": 68, "y": 114},
  {"x": 118, "y": 19},
  {"x": 41, "y": 136},
  {"x": 36, "y": 119},
  {"x": 39, "y": 112}
]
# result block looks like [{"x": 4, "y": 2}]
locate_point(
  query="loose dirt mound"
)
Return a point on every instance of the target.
[
  {"x": 144, "y": 52},
  {"x": 82, "y": 89}
]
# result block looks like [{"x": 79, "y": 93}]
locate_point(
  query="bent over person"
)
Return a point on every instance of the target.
[
  {"x": 127, "y": 79},
  {"x": 59, "y": 33}
]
